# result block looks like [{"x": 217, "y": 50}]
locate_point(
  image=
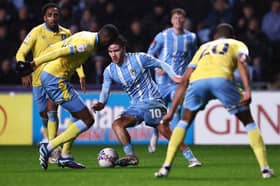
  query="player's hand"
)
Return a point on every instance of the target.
[
  {"x": 177, "y": 79},
  {"x": 159, "y": 72},
  {"x": 166, "y": 118},
  {"x": 246, "y": 99},
  {"x": 83, "y": 84},
  {"x": 26, "y": 81},
  {"x": 24, "y": 68},
  {"x": 98, "y": 106}
]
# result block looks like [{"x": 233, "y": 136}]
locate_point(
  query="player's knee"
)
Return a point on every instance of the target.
[
  {"x": 89, "y": 121},
  {"x": 115, "y": 125},
  {"x": 44, "y": 114}
]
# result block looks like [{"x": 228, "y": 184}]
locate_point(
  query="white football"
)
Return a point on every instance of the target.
[{"x": 107, "y": 157}]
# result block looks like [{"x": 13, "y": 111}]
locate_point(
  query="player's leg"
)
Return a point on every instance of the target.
[
  {"x": 165, "y": 130},
  {"x": 52, "y": 119},
  {"x": 153, "y": 141},
  {"x": 227, "y": 92},
  {"x": 85, "y": 121},
  {"x": 119, "y": 126},
  {"x": 52, "y": 128},
  {"x": 66, "y": 149},
  {"x": 39, "y": 97},
  {"x": 256, "y": 142},
  {"x": 165, "y": 91},
  {"x": 195, "y": 99},
  {"x": 177, "y": 138},
  {"x": 69, "y": 99}
]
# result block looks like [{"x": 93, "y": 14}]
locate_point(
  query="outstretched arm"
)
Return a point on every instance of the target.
[
  {"x": 168, "y": 69},
  {"x": 105, "y": 92},
  {"x": 53, "y": 54}
]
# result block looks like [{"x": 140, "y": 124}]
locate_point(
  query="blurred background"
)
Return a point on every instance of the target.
[
  {"x": 257, "y": 23},
  {"x": 141, "y": 20}
]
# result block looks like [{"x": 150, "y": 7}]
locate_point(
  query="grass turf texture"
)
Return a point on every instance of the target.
[{"x": 222, "y": 166}]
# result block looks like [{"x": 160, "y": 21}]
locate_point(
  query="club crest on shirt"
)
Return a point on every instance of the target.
[{"x": 81, "y": 48}]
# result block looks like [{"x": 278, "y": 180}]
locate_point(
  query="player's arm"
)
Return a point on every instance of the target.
[
  {"x": 105, "y": 92},
  {"x": 155, "y": 48},
  {"x": 21, "y": 54},
  {"x": 242, "y": 65},
  {"x": 54, "y": 54},
  {"x": 156, "y": 45},
  {"x": 171, "y": 73},
  {"x": 152, "y": 62},
  {"x": 81, "y": 74}
]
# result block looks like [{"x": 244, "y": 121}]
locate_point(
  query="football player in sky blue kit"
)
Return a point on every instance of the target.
[
  {"x": 132, "y": 71},
  {"x": 175, "y": 46},
  {"x": 61, "y": 60}
]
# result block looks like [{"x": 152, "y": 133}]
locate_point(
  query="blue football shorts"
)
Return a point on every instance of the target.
[
  {"x": 226, "y": 91},
  {"x": 150, "y": 111},
  {"x": 61, "y": 92},
  {"x": 40, "y": 97}
]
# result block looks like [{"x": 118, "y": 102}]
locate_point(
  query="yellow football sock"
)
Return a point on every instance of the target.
[
  {"x": 68, "y": 145},
  {"x": 176, "y": 139},
  {"x": 52, "y": 124},
  {"x": 69, "y": 134},
  {"x": 52, "y": 129},
  {"x": 257, "y": 144}
]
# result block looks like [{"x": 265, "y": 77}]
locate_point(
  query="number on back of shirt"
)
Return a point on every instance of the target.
[{"x": 220, "y": 49}]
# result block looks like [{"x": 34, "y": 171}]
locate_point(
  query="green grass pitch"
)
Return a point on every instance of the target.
[{"x": 222, "y": 166}]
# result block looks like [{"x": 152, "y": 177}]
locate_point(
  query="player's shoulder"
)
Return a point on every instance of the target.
[
  {"x": 230, "y": 40},
  {"x": 189, "y": 33},
  {"x": 236, "y": 43},
  {"x": 164, "y": 32},
  {"x": 140, "y": 54},
  {"x": 65, "y": 30},
  {"x": 108, "y": 68},
  {"x": 38, "y": 28}
]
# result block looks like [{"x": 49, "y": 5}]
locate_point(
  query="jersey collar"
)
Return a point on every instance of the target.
[{"x": 48, "y": 29}]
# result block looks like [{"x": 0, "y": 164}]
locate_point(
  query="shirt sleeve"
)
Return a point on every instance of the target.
[
  {"x": 156, "y": 45},
  {"x": 54, "y": 53},
  {"x": 152, "y": 62},
  {"x": 106, "y": 86},
  {"x": 80, "y": 72},
  {"x": 241, "y": 49},
  {"x": 26, "y": 46},
  {"x": 195, "y": 58},
  {"x": 77, "y": 43}
]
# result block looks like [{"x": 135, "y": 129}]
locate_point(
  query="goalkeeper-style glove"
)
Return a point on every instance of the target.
[{"x": 23, "y": 68}]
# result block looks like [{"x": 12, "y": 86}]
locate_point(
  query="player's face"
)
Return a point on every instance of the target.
[
  {"x": 51, "y": 18},
  {"x": 116, "y": 53},
  {"x": 178, "y": 21}
]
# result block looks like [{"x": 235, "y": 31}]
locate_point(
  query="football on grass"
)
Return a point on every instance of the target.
[{"x": 107, "y": 157}]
